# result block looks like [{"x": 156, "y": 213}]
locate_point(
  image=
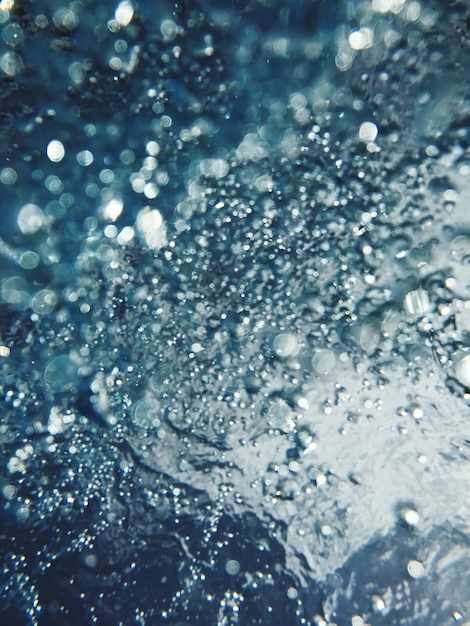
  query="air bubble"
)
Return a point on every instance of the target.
[
  {"x": 29, "y": 260},
  {"x": 368, "y": 132},
  {"x": 168, "y": 29},
  {"x": 279, "y": 416},
  {"x": 12, "y": 34},
  {"x": 65, "y": 19},
  {"x": 15, "y": 291},
  {"x": 361, "y": 39},
  {"x": 124, "y": 13},
  {"x": 8, "y": 176},
  {"x": 232, "y": 567},
  {"x": 44, "y": 301},
  {"x": 30, "y": 219},
  {"x": 415, "y": 569},
  {"x": 85, "y": 158},
  {"x": 61, "y": 373},
  {"x": 146, "y": 413},
  {"x": 150, "y": 225},
  {"x": 285, "y": 345},
  {"x": 410, "y": 517},
  {"x": 55, "y": 151},
  {"x": 11, "y": 63},
  {"x": 324, "y": 362}
]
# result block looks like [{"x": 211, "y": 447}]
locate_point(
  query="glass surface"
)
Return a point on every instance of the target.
[{"x": 234, "y": 312}]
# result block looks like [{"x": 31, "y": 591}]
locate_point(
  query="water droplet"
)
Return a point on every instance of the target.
[{"x": 415, "y": 569}]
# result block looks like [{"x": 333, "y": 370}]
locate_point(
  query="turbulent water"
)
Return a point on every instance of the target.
[{"x": 235, "y": 313}]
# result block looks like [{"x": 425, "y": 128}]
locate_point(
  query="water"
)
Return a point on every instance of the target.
[{"x": 234, "y": 313}]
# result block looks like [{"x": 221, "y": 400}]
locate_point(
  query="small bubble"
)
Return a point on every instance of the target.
[
  {"x": 151, "y": 227},
  {"x": 41, "y": 21},
  {"x": 415, "y": 569},
  {"x": 324, "y": 362},
  {"x": 61, "y": 373},
  {"x": 418, "y": 413},
  {"x": 124, "y": 13},
  {"x": 90, "y": 130},
  {"x": 292, "y": 593},
  {"x": 146, "y": 413},
  {"x": 54, "y": 185},
  {"x": 111, "y": 210},
  {"x": 303, "y": 403},
  {"x": 232, "y": 567},
  {"x": 410, "y": 517},
  {"x": 8, "y": 176},
  {"x": 12, "y": 34},
  {"x": 326, "y": 530},
  {"x": 9, "y": 492},
  {"x": 450, "y": 195},
  {"x": 378, "y": 605},
  {"x": 413, "y": 12},
  {"x": 44, "y": 301},
  {"x": 106, "y": 176},
  {"x": 432, "y": 150},
  {"x": 344, "y": 60},
  {"x": 85, "y": 158},
  {"x": 22, "y": 513},
  {"x": 55, "y": 151},
  {"x": 65, "y": 19},
  {"x": 91, "y": 561},
  {"x": 30, "y": 219},
  {"x": 15, "y": 291},
  {"x": 368, "y": 131},
  {"x": 77, "y": 72},
  {"x": 361, "y": 39},
  {"x": 125, "y": 235},
  {"x": 29, "y": 260},
  {"x": 152, "y": 148},
  {"x": 166, "y": 121},
  {"x": 285, "y": 345},
  {"x": 11, "y": 63},
  {"x": 168, "y": 29}
]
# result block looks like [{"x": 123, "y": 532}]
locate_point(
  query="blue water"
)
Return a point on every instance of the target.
[{"x": 234, "y": 320}]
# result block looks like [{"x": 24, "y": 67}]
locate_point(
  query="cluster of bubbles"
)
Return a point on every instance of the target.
[{"x": 234, "y": 311}]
